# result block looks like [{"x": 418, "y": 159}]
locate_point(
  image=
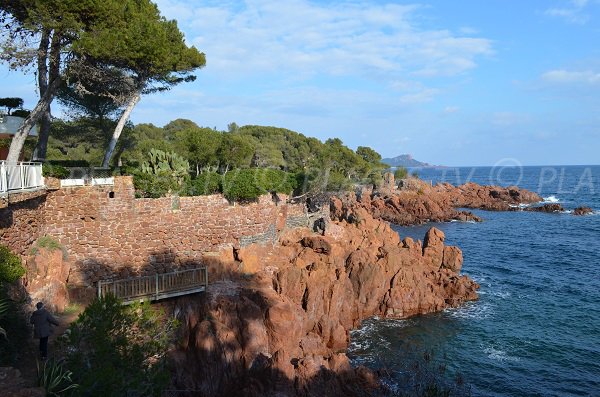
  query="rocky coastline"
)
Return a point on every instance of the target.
[
  {"x": 276, "y": 317},
  {"x": 277, "y": 323}
]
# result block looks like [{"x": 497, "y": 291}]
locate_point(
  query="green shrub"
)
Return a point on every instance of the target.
[
  {"x": 55, "y": 171},
  {"x": 70, "y": 163},
  {"x": 375, "y": 179},
  {"x": 16, "y": 332},
  {"x": 206, "y": 183},
  {"x": 248, "y": 184},
  {"x": 11, "y": 268},
  {"x": 400, "y": 173},
  {"x": 338, "y": 182},
  {"x": 117, "y": 350},
  {"x": 149, "y": 185},
  {"x": 241, "y": 185},
  {"x": 273, "y": 180}
]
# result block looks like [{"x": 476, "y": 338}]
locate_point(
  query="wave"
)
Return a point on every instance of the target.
[
  {"x": 521, "y": 205},
  {"x": 499, "y": 355},
  {"x": 551, "y": 199},
  {"x": 471, "y": 310}
]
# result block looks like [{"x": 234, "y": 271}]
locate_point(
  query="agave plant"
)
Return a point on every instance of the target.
[
  {"x": 3, "y": 309},
  {"x": 54, "y": 377}
]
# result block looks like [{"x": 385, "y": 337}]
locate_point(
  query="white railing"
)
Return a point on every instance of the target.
[{"x": 20, "y": 176}]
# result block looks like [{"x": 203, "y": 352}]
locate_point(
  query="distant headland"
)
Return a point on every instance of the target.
[{"x": 406, "y": 160}]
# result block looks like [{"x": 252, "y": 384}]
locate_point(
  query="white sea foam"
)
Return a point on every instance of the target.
[
  {"x": 501, "y": 294},
  {"x": 521, "y": 205},
  {"x": 471, "y": 310},
  {"x": 551, "y": 199},
  {"x": 499, "y": 355}
]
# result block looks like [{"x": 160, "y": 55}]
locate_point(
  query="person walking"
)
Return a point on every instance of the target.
[{"x": 41, "y": 320}]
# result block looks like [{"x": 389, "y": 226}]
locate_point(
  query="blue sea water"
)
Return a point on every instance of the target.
[{"x": 535, "y": 331}]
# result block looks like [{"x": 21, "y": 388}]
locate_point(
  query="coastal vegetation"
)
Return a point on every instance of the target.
[
  {"x": 11, "y": 268},
  {"x": 13, "y": 329},
  {"x": 113, "y": 349},
  {"x": 186, "y": 159}
]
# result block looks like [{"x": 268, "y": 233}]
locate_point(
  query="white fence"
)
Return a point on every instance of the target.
[{"x": 20, "y": 176}]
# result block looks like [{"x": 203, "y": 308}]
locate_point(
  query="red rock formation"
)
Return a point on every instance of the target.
[
  {"x": 418, "y": 202},
  {"x": 548, "y": 208},
  {"x": 46, "y": 278},
  {"x": 281, "y": 328},
  {"x": 582, "y": 211}
]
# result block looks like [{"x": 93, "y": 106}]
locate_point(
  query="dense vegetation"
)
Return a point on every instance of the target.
[
  {"x": 11, "y": 268},
  {"x": 114, "y": 350},
  {"x": 242, "y": 162}
]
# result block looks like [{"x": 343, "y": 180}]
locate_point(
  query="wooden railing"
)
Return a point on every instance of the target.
[{"x": 159, "y": 286}]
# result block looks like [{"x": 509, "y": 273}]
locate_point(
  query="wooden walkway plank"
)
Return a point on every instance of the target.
[{"x": 156, "y": 287}]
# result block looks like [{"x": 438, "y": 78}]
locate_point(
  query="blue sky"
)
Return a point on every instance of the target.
[{"x": 460, "y": 82}]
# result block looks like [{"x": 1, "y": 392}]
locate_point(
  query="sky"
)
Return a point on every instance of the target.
[{"x": 452, "y": 82}]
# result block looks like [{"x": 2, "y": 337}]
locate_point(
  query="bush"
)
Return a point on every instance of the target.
[
  {"x": 273, "y": 180},
  {"x": 117, "y": 350},
  {"x": 55, "y": 171},
  {"x": 11, "y": 268},
  {"x": 241, "y": 185},
  {"x": 149, "y": 185},
  {"x": 249, "y": 184},
  {"x": 338, "y": 182},
  {"x": 206, "y": 183},
  {"x": 16, "y": 332},
  {"x": 70, "y": 163},
  {"x": 400, "y": 173}
]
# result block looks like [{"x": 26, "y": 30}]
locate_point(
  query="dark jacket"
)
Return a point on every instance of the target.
[{"x": 41, "y": 320}]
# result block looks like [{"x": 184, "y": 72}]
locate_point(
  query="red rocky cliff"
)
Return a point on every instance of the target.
[
  {"x": 418, "y": 202},
  {"x": 281, "y": 326}
]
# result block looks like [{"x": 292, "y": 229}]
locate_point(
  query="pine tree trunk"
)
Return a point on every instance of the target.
[
  {"x": 45, "y": 75},
  {"x": 119, "y": 128},
  {"x": 18, "y": 141},
  {"x": 39, "y": 153}
]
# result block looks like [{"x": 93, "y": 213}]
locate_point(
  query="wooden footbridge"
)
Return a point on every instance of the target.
[{"x": 156, "y": 287}]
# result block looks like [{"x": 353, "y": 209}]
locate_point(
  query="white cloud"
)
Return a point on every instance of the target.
[
  {"x": 569, "y": 77},
  {"x": 451, "y": 109},
  {"x": 573, "y": 12},
  {"x": 304, "y": 39}
]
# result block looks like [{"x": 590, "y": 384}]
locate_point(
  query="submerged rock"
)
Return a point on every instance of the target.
[
  {"x": 582, "y": 211},
  {"x": 549, "y": 208}
]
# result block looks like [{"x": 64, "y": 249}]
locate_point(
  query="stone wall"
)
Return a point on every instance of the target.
[
  {"x": 109, "y": 232},
  {"x": 21, "y": 221}
]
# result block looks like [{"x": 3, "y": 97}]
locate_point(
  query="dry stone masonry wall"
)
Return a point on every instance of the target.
[{"x": 108, "y": 232}]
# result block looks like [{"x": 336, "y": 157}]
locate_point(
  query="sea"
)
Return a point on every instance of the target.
[{"x": 535, "y": 330}]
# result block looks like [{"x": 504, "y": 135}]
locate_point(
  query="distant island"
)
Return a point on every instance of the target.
[{"x": 405, "y": 160}]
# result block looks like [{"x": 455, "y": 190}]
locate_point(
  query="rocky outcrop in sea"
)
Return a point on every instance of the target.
[{"x": 280, "y": 324}]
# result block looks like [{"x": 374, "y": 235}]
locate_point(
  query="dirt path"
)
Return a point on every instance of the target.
[{"x": 29, "y": 361}]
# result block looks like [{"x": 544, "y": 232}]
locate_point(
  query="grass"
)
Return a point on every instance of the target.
[
  {"x": 48, "y": 243},
  {"x": 73, "y": 308}
]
